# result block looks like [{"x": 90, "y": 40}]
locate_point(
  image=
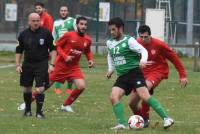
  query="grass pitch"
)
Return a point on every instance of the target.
[{"x": 93, "y": 111}]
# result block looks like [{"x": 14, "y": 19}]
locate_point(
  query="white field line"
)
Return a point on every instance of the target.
[{"x": 7, "y": 66}]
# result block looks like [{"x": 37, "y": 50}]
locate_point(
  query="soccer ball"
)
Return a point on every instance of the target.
[{"x": 136, "y": 122}]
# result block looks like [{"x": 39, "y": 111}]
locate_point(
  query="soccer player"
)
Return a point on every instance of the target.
[
  {"x": 61, "y": 26},
  {"x": 158, "y": 54},
  {"x": 70, "y": 47},
  {"x": 36, "y": 43},
  {"x": 127, "y": 56},
  {"x": 46, "y": 19}
]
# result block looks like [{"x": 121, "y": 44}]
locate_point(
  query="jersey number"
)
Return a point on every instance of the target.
[{"x": 116, "y": 50}]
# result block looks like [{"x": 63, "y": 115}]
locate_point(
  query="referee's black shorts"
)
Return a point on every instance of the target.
[
  {"x": 35, "y": 71},
  {"x": 131, "y": 80}
]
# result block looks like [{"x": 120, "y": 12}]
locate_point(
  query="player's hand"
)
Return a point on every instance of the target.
[
  {"x": 18, "y": 69},
  {"x": 109, "y": 74},
  {"x": 183, "y": 82},
  {"x": 69, "y": 59},
  {"x": 149, "y": 63},
  {"x": 51, "y": 68},
  {"x": 90, "y": 63},
  {"x": 142, "y": 64}
]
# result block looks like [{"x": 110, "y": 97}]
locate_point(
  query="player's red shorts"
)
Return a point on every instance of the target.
[
  {"x": 61, "y": 75},
  {"x": 155, "y": 78}
]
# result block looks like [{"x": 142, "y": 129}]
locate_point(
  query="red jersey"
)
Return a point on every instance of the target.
[
  {"x": 158, "y": 52},
  {"x": 71, "y": 44},
  {"x": 46, "y": 21}
]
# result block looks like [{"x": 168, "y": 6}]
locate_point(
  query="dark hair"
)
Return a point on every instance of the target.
[
  {"x": 39, "y": 4},
  {"x": 117, "y": 21},
  {"x": 144, "y": 28},
  {"x": 63, "y": 5},
  {"x": 80, "y": 18}
]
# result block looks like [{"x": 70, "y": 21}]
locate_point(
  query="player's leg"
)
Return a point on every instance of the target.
[
  {"x": 145, "y": 109},
  {"x": 151, "y": 101},
  {"x": 69, "y": 87},
  {"x": 152, "y": 82},
  {"x": 118, "y": 107},
  {"x": 58, "y": 88},
  {"x": 143, "y": 93},
  {"x": 77, "y": 77},
  {"x": 120, "y": 88},
  {"x": 80, "y": 87},
  {"x": 133, "y": 102}
]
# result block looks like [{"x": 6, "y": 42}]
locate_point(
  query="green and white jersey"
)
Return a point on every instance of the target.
[
  {"x": 61, "y": 26},
  {"x": 125, "y": 54}
]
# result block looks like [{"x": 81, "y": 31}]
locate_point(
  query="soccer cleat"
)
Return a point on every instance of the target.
[
  {"x": 168, "y": 122},
  {"x": 146, "y": 123},
  {"x": 68, "y": 91},
  {"x": 67, "y": 108},
  {"x": 118, "y": 127},
  {"x": 21, "y": 107},
  {"x": 39, "y": 115},
  {"x": 27, "y": 114},
  {"x": 58, "y": 91}
]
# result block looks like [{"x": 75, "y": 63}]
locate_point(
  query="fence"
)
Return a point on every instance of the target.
[
  {"x": 100, "y": 48},
  {"x": 132, "y": 11}
]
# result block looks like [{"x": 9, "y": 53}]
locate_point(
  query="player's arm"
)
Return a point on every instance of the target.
[
  {"x": 89, "y": 55},
  {"x": 54, "y": 34},
  {"x": 173, "y": 58},
  {"x": 48, "y": 23},
  {"x": 74, "y": 25},
  {"x": 18, "y": 56},
  {"x": 110, "y": 66},
  {"x": 135, "y": 46}
]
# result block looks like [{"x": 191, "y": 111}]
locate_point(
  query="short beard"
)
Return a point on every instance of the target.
[
  {"x": 80, "y": 33},
  {"x": 118, "y": 37}
]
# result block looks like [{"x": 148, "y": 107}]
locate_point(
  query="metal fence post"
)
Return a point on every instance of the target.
[
  {"x": 97, "y": 25},
  {"x": 196, "y": 57}
]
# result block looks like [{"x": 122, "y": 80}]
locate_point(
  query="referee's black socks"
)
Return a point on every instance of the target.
[
  {"x": 39, "y": 102},
  {"x": 27, "y": 100}
]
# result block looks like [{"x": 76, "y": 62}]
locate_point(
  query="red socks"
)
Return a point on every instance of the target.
[
  {"x": 73, "y": 96},
  {"x": 143, "y": 111},
  {"x": 33, "y": 95}
]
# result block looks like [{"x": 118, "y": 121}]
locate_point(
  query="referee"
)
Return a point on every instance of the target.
[{"x": 36, "y": 43}]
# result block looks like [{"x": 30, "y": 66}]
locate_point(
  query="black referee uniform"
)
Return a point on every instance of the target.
[{"x": 35, "y": 45}]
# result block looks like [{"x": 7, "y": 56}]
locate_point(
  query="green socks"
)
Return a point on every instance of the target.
[
  {"x": 157, "y": 107},
  {"x": 69, "y": 85},
  {"x": 119, "y": 113},
  {"x": 119, "y": 110},
  {"x": 57, "y": 85}
]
